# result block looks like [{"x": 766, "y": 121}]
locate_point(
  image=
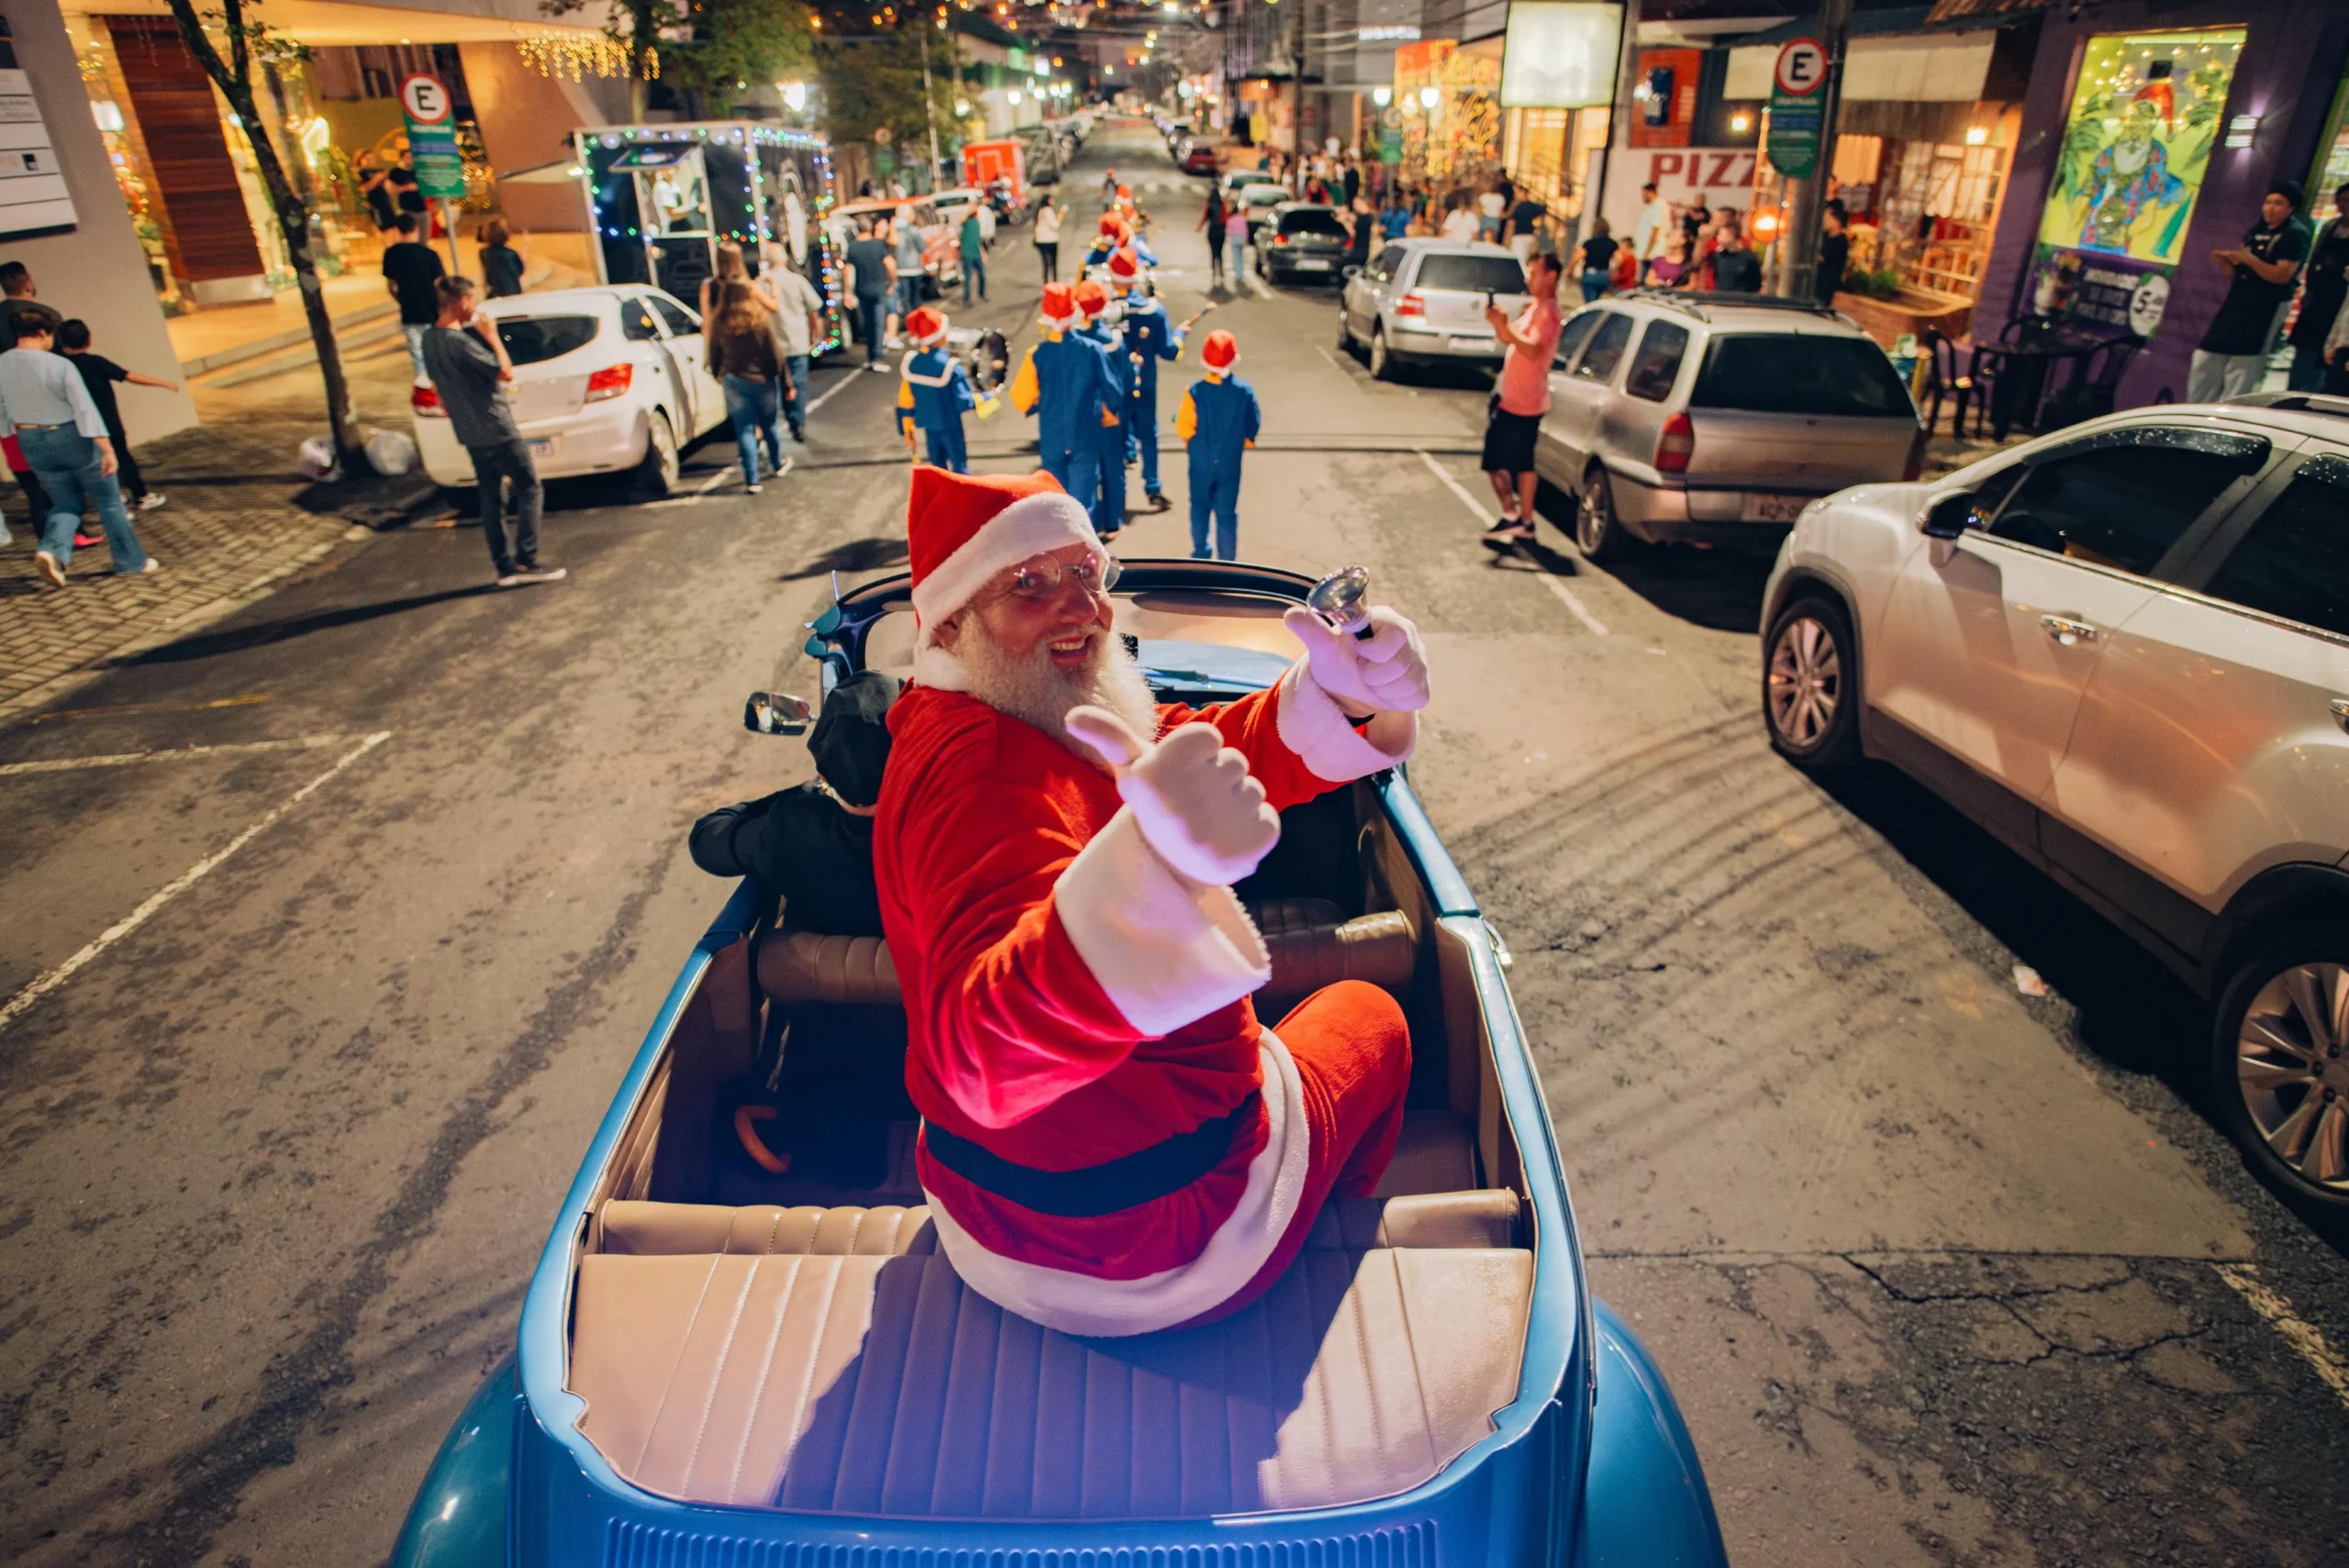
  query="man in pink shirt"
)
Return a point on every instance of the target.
[{"x": 1514, "y": 417}]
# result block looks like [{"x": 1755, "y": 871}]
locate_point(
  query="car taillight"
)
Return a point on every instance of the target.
[
  {"x": 1411, "y": 305},
  {"x": 1916, "y": 463},
  {"x": 609, "y": 381},
  {"x": 425, "y": 403},
  {"x": 1280, "y": 239},
  {"x": 1676, "y": 445}
]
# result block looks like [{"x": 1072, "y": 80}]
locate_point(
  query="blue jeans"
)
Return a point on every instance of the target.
[
  {"x": 1594, "y": 284},
  {"x": 2307, "y": 369},
  {"x": 872, "y": 310},
  {"x": 1141, "y": 440},
  {"x": 975, "y": 270},
  {"x": 946, "y": 450},
  {"x": 66, "y": 463},
  {"x": 795, "y": 411},
  {"x": 908, "y": 294},
  {"x": 1106, "y": 501},
  {"x": 414, "y": 332},
  {"x": 1215, "y": 496},
  {"x": 754, "y": 406}
]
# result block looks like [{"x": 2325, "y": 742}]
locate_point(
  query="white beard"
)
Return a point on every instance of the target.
[{"x": 1032, "y": 688}]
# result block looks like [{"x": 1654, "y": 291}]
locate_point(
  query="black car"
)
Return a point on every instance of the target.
[{"x": 1301, "y": 240}]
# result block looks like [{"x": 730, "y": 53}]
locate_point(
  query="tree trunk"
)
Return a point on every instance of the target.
[{"x": 235, "y": 82}]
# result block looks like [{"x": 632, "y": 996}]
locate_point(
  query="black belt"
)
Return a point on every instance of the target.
[{"x": 1167, "y": 1166}]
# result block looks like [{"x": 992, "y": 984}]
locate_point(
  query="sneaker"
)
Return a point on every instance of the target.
[
  {"x": 781, "y": 469},
  {"x": 84, "y": 539},
  {"x": 877, "y": 368},
  {"x": 523, "y": 577},
  {"x": 152, "y": 500},
  {"x": 893, "y": 343},
  {"x": 750, "y": 490},
  {"x": 152, "y": 566},
  {"x": 799, "y": 434},
  {"x": 1159, "y": 503},
  {"x": 1506, "y": 533},
  {"x": 46, "y": 564}
]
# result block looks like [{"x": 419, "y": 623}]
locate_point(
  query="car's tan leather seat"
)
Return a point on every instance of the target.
[
  {"x": 831, "y": 1360},
  {"x": 1311, "y": 943}
]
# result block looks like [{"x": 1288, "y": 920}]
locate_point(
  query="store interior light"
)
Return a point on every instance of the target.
[
  {"x": 795, "y": 95},
  {"x": 1428, "y": 96},
  {"x": 1742, "y": 121},
  {"x": 1382, "y": 96},
  {"x": 962, "y": 108},
  {"x": 1015, "y": 99},
  {"x": 2242, "y": 130},
  {"x": 1978, "y": 136}
]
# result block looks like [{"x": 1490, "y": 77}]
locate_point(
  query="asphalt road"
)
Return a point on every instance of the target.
[{"x": 1941, "y": 1272}]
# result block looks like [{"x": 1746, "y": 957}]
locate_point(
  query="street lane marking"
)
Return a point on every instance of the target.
[
  {"x": 848, "y": 379},
  {"x": 1485, "y": 519},
  {"x": 245, "y": 701},
  {"x": 171, "y": 754},
  {"x": 42, "y": 985},
  {"x": 1257, "y": 286},
  {"x": 715, "y": 480},
  {"x": 2298, "y": 1332}
]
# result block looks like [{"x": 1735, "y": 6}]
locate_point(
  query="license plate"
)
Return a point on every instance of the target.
[
  {"x": 1774, "y": 508},
  {"x": 1307, "y": 264},
  {"x": 541, "y": 446}
]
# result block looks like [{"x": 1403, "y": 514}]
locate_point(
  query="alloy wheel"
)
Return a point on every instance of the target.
[
  {"x": 1805, "y": 685},
  {"x": 2291, "y": 1072},
  {"x": 1381, "y": 367}
]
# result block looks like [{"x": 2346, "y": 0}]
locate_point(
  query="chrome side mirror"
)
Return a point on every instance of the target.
[
  {"x": 776, "y": 713},
  {"x": 1352, "y": 274},
  {"x": 1948, "y": 518}
]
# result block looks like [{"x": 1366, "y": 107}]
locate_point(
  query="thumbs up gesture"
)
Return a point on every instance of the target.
[{"x": 1191, "y": 795}]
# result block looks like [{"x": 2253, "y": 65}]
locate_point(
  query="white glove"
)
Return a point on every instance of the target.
[
  {"x": 1191, "y": 795},
  {"x": 1384, "y": 673}
]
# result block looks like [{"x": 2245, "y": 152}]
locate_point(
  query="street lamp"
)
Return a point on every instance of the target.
[
  {"x": 1382, "y": 96},
  {"x": 795, "y": 95},
  {"x": 1427, "y": 96}
]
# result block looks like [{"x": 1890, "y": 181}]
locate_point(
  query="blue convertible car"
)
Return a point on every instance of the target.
[{"x": 722, "y": 1364}]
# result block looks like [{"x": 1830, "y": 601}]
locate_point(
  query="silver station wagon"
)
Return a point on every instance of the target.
[{"x": 1707, "y": 418}]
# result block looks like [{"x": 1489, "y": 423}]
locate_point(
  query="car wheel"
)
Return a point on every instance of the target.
[
  {"x": 657, "y": 475},
  {"x": 1345, "y": 330},
  {"x": 1381, "y": 364},
  {"x": 1597, "y": 532},
  {"x": 2279, "y": 1059},
  {"x": 1810, "y": 685}
]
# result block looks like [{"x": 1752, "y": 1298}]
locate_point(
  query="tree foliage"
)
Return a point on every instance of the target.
[
  {"x": 873, "y": 82},
  {"x": 716, "y": 49}
]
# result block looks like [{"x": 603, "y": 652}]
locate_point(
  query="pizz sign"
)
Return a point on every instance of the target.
[{"x": 1715, "y": 176}]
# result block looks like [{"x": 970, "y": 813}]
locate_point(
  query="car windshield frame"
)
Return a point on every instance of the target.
[{"x": 1769, "y": 387}]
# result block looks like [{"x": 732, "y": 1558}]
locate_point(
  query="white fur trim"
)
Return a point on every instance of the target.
[
  {"x": 906, "y": 369},
  {"x": 1242, "y": 1245},
  {"x": 1312, "y": 724},
  {"x": 1167, "y": 949},
  {"x": 936, "y": 668},
  {"x": 1029, "y": 525}
]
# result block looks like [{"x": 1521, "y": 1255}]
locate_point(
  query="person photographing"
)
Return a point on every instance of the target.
[{"x": 469, "y": 371}]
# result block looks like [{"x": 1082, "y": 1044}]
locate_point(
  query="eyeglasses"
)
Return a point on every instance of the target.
[{"x": 1040, "y": 579}]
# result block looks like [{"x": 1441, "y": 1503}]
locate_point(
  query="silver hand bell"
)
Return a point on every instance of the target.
[{"x": 1342, "y": 599}]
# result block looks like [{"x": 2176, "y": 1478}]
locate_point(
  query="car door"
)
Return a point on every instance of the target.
[
  {"x": 1365, "y": 292},
  {"x": 1578, "y": 398},
  {"x": 1984, "y": 644},
  {"x": 2209, "y": 745},
  {"x": 691, "y": 352},
  {"x": 1550, "y": 457}
]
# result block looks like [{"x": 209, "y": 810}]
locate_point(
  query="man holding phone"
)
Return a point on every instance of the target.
[
  {"x": 1521, "y": 399},
  {"x": 469, "y": 370}
]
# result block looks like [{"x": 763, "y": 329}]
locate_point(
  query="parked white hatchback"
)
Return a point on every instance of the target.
[
  {"x": 607, "y": 380},
  {"x": 2124, "y": 649}
]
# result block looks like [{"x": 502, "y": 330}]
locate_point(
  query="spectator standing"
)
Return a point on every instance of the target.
[
  {"x": 1492, "y": 206},
  {"x": 875, "y": 273},
  {"x": 410, "y": 270},
  {"x": 1834, "y": 253},
  {"x": 468, "y": 369},
  {"x": 799, "y": 325},
  {"x": 1361, "y": 224},
  {"x": 1395, "y": 217},
  {"x": 747, "y": 358},
  {"x": 975, "y": 259},
  {"x": 2324, "y": 286},
  {"x": 1524, "y": 224},
  {"x": 2233, "y": 351},
  {"x": 501, "y": 264},
  {"x": 1048, "y": 238},
  {"x": 1736, "y": 268},
  {"x": 1458, "y": 222},
  {"x": 1647, "y": 234},
  {"x": 1671, "y": 270},
  {"x": 46, "y": 406},
  {"x": 1595, "y": 260},
  {"x": 1513, "y": 418},
  {"x": 1351, "y": 179},
  {"x": 17, "y": 295},
  {"x": 913, "y": 260},
  {"x": 1235, "y": 237},
  {"x": 100, "y": 373},
  {"x": 732, "y": 268},
  {"x": 1212, "y": 219}
]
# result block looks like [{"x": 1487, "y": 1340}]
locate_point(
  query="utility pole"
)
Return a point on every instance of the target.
[
  {"x": 929, "y": 109},
  {"x": 1808, "y": 199}
]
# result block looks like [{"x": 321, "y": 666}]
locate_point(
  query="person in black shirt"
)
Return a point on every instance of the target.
[
  {"x": 2324, "y": 286},
  {"x": 1736, "y": 270},
  {"x": 409, "y": 272},
  {"x": 501, "y": 264},
  {"x": 2233, "y": 351},
  {"x": 1594, "y": 263},
  {"x": 1834, "y": 254},
  {"x": 99, "y": 373}
]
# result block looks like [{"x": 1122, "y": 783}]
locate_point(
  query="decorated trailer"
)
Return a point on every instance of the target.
[{"x": 663, "y": 198}]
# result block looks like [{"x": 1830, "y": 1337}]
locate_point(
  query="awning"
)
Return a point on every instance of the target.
[
  {"x": 1912, "y": 68},
  {"x": 324, "y": 23},
  {"x": 1966, "y": 10}
]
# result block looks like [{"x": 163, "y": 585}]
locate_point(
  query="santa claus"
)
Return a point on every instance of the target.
[{"x": 1112, "y": 1141}]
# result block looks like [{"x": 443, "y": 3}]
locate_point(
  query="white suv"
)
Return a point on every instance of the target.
[{"x": 2124, "y": 649}]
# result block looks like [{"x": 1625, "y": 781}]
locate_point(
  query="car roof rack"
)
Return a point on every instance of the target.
[
  {"x": 2293, "y": 402},
  {"x": 1692, "y": 302}
]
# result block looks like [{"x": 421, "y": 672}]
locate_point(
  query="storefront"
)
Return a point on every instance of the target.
[
  {"x": 2167, "y": 124},
  {"x": 1449, "y": 94}
]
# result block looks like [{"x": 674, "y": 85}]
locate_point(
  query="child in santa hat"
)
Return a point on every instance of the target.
[
  {"x": 1066, "y": 383},
  {"x": 1149, "y": 336},
  {"x": 1107, "y": 500},
  {"x": 934, "y": 391},
  {"x": 1218, "y": 421},
  {"x": 1112, "y": 1141}
]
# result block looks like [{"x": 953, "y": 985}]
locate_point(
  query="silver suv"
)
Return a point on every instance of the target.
[
  {"x": 2123, "y": 649},
  {"x": 1421, "y": 301},
  {"x": 1702, "y": 418}
]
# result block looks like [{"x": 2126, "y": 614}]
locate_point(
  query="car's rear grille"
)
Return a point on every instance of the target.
[{"x": 644, "y": 1546}]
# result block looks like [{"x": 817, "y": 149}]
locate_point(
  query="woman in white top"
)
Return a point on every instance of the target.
[
  {"x": 1048, "y": 238},
  {"x": 1460, "y": 223}
]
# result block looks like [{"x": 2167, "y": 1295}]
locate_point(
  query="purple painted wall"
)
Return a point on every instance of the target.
[{"x": 2292, "y": 60}]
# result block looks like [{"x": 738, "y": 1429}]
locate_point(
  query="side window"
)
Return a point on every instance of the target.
[
  {"x": 1571, "y": 335},
  {"x": 2295, "y": 561},
  {"x": 636, "y": 322},
  {"x": 1389, "y": 262},
  {"x": 1658, "y": 364},
  {"x": 1606, "y": 350},
  {"x": 2122, "y": 504},
  {"x": 680, "y": 320}
]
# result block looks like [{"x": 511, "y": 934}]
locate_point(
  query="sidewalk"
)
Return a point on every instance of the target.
[{"x": 230, "y": 530}]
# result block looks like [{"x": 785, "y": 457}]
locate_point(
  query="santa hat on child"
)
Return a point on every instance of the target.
[
  {"x": 925, "y": 326},
  {"x": 1220, "y": 352},
  {"x": 1124, "y": 192},
  {"x": 1091, "y": 298},
  {"x": 1125, "y": 267},
  {"x": 1113, "y": 227},
  {"x": 962, "y": 528},
  {"x": 1060, "y": 311}
]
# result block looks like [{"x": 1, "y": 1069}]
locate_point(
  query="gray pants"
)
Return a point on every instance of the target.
[
  {"x": 2213, "y": 378},
  {"x": 492, "y": 466},
  {"x": 414, "y": 332}
]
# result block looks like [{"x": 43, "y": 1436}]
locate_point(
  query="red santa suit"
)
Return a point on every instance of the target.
[{"x": 1113, "y": 1142}]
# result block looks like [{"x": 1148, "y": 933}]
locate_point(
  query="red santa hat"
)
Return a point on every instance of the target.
[
  {"x": 1125, "y": 190},
  {"x": 1091, "y": 298},
  {"x": 925, "y": 326},
  {"x": 1060, "y": 311},
  {"x": 1221, "y": 351},
  {"x": 1112, "y": 225},
  {"x": 1125, "y": 267},
  {"x": 962, "y": 528}
]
